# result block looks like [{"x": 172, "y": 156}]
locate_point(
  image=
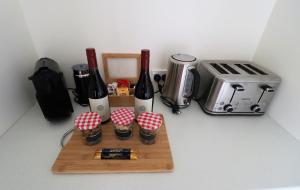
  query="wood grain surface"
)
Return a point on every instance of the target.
[
  {"x": 106, "y": 56},
  {"x": 121, "y": 101},
  {"x": 76, "y": 157}
]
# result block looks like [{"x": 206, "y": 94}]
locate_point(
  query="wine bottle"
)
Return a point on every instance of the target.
[
  {"x": 97, "y": 90},
  {"x": 144, "y": 93}
]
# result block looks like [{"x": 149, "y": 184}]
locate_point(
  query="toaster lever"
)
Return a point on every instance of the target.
[
  {"x": 238, "y": 87},
  {"x": 267, "y": 88}
]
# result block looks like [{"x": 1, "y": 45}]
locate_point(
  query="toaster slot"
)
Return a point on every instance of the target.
[
  {"x": 230, "y": 69},
  {"x": 245, "y": 69},
  {"x": 219, "y": 68},
  {"x": 256, "y": 69}
]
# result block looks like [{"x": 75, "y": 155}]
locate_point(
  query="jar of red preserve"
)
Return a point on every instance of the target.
[
  {"x": 149, "y": 124},
  {"x": 89, "y": 124},
  {"x": 123, "y": 120}
]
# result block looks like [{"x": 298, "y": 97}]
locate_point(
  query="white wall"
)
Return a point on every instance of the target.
[
  {"x": 229, "y": 29},
  {"x": 279, "y": 50},
  {"x": 17, "y": 56}
]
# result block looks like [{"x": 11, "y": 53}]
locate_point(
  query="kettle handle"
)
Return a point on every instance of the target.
[{"x": 196, "y": 82}]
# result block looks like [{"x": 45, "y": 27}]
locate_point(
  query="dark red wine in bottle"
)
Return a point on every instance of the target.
[
  {"x": 97, "y": 91},
  {"x": 144, "y": 92}
]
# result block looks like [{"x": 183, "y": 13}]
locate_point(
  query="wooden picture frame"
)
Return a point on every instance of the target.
[{"x": 106, "y": 56}]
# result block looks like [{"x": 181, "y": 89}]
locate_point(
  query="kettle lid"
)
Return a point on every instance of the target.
[{"x": 183, "y": 57}]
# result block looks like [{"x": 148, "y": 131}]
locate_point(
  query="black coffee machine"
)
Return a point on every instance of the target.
[{"x": 51, "y": 92}]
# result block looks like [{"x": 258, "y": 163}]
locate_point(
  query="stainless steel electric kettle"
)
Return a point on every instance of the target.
[{"x": 181, "y": 79}]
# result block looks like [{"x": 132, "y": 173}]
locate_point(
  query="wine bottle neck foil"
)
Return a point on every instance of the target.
[
  {"x": 91, "y": 56},
  {"x": 145, "y": 54}
]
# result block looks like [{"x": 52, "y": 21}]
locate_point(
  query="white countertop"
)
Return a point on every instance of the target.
[{"x": 209, "y": 152}]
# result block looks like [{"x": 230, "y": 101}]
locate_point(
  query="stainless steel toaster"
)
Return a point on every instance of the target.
[{"x": 235, "y": 87}]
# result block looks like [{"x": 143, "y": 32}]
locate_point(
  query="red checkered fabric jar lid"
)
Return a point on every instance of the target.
[
  {"x": 149, "y": 120},
  {"x": 88, "y": 120},
  {"x": 122, "y": 116}
]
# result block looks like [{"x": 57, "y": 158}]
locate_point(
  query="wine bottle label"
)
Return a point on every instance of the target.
[
  {"x": 101, "y": 106},
  {"x": 142, "y": 105}
]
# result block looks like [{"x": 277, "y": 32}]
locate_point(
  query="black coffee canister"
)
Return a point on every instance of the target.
[{"x": 81, "y": 77}]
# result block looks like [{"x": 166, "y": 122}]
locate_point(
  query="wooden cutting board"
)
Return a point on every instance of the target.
[{"x": 76, "y": 157}]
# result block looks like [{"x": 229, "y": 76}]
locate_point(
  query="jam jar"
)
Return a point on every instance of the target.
[
  {"x": 123, "y": 120},
  {"x": 149, "y": 125},
  {"x": 89, "y": 123}
]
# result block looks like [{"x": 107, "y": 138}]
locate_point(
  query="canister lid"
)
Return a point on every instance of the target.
[
  {"x": 80, "y": 69},
  {"x": 87, "y": 120},
  {"x": 122, "y": 116},
  {"x": 149, "y": 120},
  {"x": 183, "y": 57}
]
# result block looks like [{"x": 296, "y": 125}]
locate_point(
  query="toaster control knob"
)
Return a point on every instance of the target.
[
  {"x": 255, "y": 108},
  {"x": 228, "y": 108}
]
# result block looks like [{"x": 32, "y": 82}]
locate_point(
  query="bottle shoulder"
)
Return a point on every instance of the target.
[
  {"x": 144, "y": 89},
  {"x": 97, "y": 88}
]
